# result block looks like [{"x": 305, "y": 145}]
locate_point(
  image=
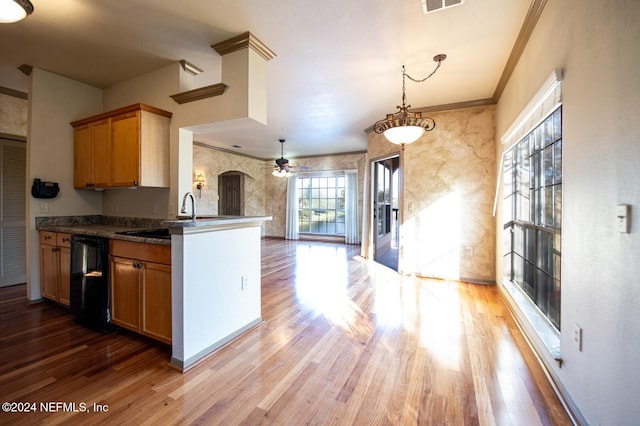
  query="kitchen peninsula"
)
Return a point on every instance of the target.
[
  {"x": 214, "y": 267},
  {"x": 215, "y": 283}
]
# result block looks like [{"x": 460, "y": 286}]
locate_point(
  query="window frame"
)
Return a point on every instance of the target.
[
  {"x": 532, "y": 216},
  {"x": 538, "y": 328},
  {"x": 330, "y": 227}
]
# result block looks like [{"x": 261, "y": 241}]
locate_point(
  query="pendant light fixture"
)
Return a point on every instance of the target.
[
  {"x": 14, "y": 10},
  {"x": 404, "y": 126}
]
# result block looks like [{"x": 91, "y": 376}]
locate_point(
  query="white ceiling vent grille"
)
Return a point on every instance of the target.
[{"x": 429, "y": 6}]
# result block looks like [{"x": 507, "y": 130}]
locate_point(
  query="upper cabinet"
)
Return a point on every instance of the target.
[{"x": 122, "y": 148}]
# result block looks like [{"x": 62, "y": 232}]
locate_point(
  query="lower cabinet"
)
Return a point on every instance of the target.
[
  {"x": 141, "y": 288},
  {"x": 55, "y": 266}
]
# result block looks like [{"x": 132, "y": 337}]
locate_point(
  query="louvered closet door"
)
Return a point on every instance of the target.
[{"x": 12, "y": 212}]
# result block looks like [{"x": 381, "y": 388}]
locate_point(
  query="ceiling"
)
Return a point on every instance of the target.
[{"x": 337, "y": 69}]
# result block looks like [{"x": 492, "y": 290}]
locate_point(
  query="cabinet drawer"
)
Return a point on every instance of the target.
[
  {"x": 63, "y": 239},
  {"x": 141, "y": 251},
  {"x": 48, "y": 237}
]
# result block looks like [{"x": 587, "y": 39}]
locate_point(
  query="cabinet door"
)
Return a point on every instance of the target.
[
  {"x": 125, "y": 293},
  {"x": 101, "y": 139},
  {"x": 64, "y": 268},
  {"x": 156, "y": 301},
  {"x": 82, "y": 157},
  {"x": 49, "y": 271},
  {"x": 125, "y": 149}
]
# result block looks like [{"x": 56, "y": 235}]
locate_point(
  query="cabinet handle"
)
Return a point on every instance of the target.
[
  {"x": 66, "y": 239},
  {"x": 47, "y": 237},
  {"x": 55, "y": 249}
]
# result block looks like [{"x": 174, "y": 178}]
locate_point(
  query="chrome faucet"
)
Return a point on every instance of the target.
[{"x": 193, "y": 205}]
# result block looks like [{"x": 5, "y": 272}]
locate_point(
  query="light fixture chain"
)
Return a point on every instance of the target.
[
  {"x": 404, "y": 96},
  {"x": 417, "y": 80},
  {"x": 405, "y": 126}
]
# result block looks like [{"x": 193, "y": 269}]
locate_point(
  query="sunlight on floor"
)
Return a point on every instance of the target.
[
  {"x": 430, "y": 309},
  {"x": 440, "y": 225},
  {"x": 324, "y": 289},
  {"x": 440, "y": 325}
]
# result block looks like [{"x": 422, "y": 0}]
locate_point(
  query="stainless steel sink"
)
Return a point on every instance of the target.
[
  {"x": 203, "y": 217},
  {"x": 148, "y": 233}
]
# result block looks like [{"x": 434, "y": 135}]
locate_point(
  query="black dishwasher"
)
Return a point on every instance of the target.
[{"x": 90, "y": 280}]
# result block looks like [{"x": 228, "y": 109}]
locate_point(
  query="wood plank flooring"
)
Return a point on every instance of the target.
[{"x": 343, "y": 342}]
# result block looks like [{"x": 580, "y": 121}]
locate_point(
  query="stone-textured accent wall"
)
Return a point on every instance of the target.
[
  {"x": 448, "y": 229},
  {"x": 276, "y": 187},
  {"x": 13, "y": 120},
  {"x": 212, "y": 163},
  {"x": 264, "y": 193}
]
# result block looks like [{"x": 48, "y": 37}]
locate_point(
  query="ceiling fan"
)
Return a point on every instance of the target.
[{"x": 282, "y": 167}]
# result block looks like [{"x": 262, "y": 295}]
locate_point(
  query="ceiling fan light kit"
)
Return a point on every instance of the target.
[
  {"x": 404, "y": 126},
  {"x": 14, "y": 10},
  {"x": 282, "y": 167}
]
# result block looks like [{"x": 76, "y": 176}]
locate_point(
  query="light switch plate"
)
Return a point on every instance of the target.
[{"x": 622, "y": 216}]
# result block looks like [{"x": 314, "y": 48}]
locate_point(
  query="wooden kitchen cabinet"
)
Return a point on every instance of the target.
[
  {"x": 127, "y": 147},
  {"x": 141, "y": 288},
  {"x": 55, "y": 266},
  {"x": 91, "y": 154},
  {"x": 125, "y": 293},
  {"x": 156, "y": 302}
]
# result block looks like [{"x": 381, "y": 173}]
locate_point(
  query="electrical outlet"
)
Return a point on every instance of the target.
[
  {"x": 245, "y": 283},
  {"x": 577, "y": 337},
  {"x": 44, "y": 207}
]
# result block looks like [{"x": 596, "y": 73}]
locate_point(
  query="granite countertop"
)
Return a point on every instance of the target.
[
  {"x": 106, "y": 231},
  {"x": 110, "y": 226},
  {"x": 99, "y": 226},
  {"x": 212, "y": 221}
]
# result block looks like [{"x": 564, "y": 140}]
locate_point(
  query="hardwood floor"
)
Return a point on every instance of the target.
[{"x": 343, "y": 342}]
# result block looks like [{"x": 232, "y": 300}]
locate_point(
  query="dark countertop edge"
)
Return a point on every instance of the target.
[{"x": 104, "y": 231}]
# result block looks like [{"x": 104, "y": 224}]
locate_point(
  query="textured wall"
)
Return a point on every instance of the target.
[
  {"x": 265, "y": 194},
  {"x": 449, "y": 177},
  {"x": 276, "y": 188},
  {"x": 13, "y": 120},
  {"x": 212, "y": 163}
]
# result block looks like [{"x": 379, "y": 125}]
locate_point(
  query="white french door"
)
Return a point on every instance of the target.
[{"x": 385, "y": 211}]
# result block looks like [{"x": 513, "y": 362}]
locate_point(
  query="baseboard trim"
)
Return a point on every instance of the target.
[
  {"x": 561, "y": 392},
  {"x": 201, "y": 356}
]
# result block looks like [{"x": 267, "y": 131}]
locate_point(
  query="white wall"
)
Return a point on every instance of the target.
[
  {"x": 54, "y": 102},
  {"x": 209, "y": 304},
  {"x": 596, "y": 44}
]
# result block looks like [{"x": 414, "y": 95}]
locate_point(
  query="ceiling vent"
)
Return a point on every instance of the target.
[{"x": 429, "y": 6}]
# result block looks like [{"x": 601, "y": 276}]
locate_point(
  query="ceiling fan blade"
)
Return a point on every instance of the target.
[{"x": 302, "y": 168}]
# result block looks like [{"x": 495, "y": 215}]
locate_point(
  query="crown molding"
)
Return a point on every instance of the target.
[
  {"x": 456, "y": 105},
  {"x": 243, "y": 41},
  {"x": 14, "y": 93},
  {"x": 200, "y": 93},
  {"x": 448, "y": 107},
  {"x": 529, "y": 24}
]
